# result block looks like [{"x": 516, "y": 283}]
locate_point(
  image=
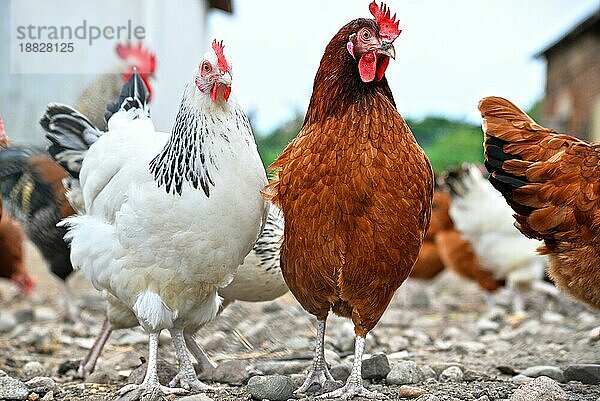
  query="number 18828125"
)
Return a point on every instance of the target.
[{"x": 34, "y": 47}]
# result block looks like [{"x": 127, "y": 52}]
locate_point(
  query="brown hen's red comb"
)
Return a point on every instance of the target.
[
  {"x": 388, "y": 26},
  {"x": 221, "y": 61},
  {"x": 137, "y": 56}
]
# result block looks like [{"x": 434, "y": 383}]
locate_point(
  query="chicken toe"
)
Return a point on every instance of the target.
[
  {"x": 186, "y": 377},
  {"x": 354, "y": 385},
  {"x": 319, "y": 373}
]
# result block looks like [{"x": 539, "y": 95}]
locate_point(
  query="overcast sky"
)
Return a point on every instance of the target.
[{"x": 450, "y": 54}]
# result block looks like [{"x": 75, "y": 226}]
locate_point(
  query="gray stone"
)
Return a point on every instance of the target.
[
  {"x": 23, "y": 315},
  {"x": 341, "y": 371},
  {"x": 398, "y": 343},
  {"x": 487, "y": 326},
  {"x": 551, "y": 371},
  {"x": 166, "y": 371},
  {"x": 441, "y": 366},
  {"x": 584, "y": 373},
  {"x": 428, "y": 372},
  {"x": 235, "y": 372},
  {"x": 196, "y": 397},
  {"x": 344, "y": 339},
  {"x": 520, "y": 379},
  {"x": 332, "y": 357},
  {"x": 103, "y": 377},
  {"x": 282, "y": 367},
  {"x": 453, "y": 374},
  {"x": 41, "y": 385},
  {"x": 552, "y": 317},
  {"x": 406, "y": 372},
  {"x": 376, "y": 367},
  {"x": 48, "y": 397},
  {"x": 7, "y": 322},
  {"x": 273, "y": 387},
  {"x": 540, "y": 389},
  {"x": 471, "y": 347},
  {"x": 33, "y": 369},
  {"x": 44, "y": 314},
  {"x": 12, "y": 389}
]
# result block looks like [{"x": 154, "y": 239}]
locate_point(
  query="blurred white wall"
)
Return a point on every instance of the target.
[{"x": 176, "y": 31}]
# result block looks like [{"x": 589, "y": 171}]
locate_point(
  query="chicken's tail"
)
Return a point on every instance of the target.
[
  {"x": 70, "y": 133},
  {"x": 133, "y": 99}
]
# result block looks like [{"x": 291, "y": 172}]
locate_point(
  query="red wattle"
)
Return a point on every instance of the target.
[
  {"x": 227, "y": 92},
  {"x": 214, "y": 92},
  {"x": 382, "y": 66},
  {"x": 367, "y": 66}
]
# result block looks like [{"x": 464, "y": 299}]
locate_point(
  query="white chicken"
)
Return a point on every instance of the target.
[
  {"x": 258, "y": 279},
  {"x": 169, "y": 218},
  {"x": 481, "y": 215}
]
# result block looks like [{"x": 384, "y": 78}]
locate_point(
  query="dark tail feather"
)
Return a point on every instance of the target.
[
  {"x": 71, "y": 134},
  {"x": 134, "y": 94}
]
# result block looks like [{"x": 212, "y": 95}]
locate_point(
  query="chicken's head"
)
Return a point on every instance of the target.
[
  {"x": 4, "y": 141},
  {"x": 372, "y": 44},
  {"x": 137, "y": 57},
  {"x": 213, "y": 75}
]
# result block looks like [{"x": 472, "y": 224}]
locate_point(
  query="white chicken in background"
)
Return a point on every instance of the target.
[
  {"x": 169, "y": 218},
  {"x": 481, "y": 215}
]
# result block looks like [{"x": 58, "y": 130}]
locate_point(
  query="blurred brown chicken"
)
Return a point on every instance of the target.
[
  {"x": 12, "y": 264},
  {"x": 445, "y": 247},
  {"x": 551, "y": 182}
]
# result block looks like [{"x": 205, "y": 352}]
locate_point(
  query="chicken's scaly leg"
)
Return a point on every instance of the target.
[
  {"x": 88, "y": 364},
  {"x": 206, "y": 364},
  {"x": 354, "y": 385},
  {"x": 187, "y": 375},
  {"x": 319, "y": 373},
  {"x": 151, "y": 383}
]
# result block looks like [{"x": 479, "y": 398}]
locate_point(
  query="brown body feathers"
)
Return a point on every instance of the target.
[
  {"x": 355, "y": 190},
  {"x": 551, "y": 181}
]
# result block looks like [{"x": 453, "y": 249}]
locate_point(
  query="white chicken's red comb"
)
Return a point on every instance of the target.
[
  {"x": 137, "y": 56},
  {"x": 388, "y": 26},
  {"x": 221, "y": 60}
]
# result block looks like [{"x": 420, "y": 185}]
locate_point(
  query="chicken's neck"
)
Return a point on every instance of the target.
[
  {"x": 338, "y": 87},
  {"x": 200, "y": 133}
]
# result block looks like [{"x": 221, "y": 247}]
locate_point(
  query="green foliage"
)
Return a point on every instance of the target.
[
  {"x": 447, "y": 142},
  {"x": 271, "y": 145}
]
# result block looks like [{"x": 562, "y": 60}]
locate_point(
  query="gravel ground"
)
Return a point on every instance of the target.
[{"x": 463, "y": 349}]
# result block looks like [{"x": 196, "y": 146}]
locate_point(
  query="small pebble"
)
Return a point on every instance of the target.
[
  {"x": 540, "y": 389},
  {"x": 12, "y": 389},
  {"x": 406, "y": 372},
  {"x": 453, "y": 374},
  {"x": 411, "y": 392},
  {"x": 273, "y": 387},
  {"x": 7, "y": 322},
  {"x": 584, "y": 373},
  {"x": 33, "y": 369},
  {"x": 551, "y": 371},
  {"x": 41, "y": 385},
  {"x": 376, "y": 367}
]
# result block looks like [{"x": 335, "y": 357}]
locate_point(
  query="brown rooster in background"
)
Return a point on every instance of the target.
[
  {"x": 551, "y": 182},
  {"x": 92, "y": 101},
  {"x": 355, "y": 189},
  {"x": 12, "y": 264}
]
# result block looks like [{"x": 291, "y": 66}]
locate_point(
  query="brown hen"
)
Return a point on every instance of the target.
[
  {"x": 355, "y": 189},
  {"x": 551, "y": 182}
]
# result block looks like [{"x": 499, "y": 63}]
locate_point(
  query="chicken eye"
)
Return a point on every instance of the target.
[
  {"x": 206, "y": 67},
  {"x": 366, "y": 35}
]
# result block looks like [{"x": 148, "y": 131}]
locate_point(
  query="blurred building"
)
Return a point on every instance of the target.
[
  {"x": 175, "y": 31},
  {"x": 572, "y": 99}
]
